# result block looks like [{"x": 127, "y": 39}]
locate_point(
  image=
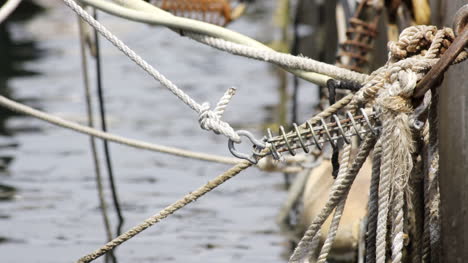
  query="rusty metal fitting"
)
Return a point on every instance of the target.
[
  {"x": 434, "y": 76},
  {"x": 461, "y": 20}
]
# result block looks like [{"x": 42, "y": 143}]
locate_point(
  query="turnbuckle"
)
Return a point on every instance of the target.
[{"x": 309, "y": 134}]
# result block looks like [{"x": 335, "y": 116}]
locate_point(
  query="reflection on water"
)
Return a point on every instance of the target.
[
  {"x": 54, "y": 214},
  {"x": 14, "y": 53}
]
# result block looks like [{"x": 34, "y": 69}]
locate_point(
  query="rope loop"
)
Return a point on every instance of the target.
[{"x": 210, "y": 120}]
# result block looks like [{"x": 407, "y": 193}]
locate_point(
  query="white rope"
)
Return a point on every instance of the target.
[
  {"x": 21, "y": 108},
  {"x": 209, "y": 120},
  {"x": 280, "y": 59},
  {"x": 146, "y": 13},
  {"x": 8, "y": 8},
  {"x": 292, "y": 164}
]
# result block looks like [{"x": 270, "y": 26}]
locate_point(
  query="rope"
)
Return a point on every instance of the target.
[
  {"x": 280, "y": 59},
  {"x": 102, "y": 113},
  {"x": 146, "y": 13},
  {"x": 209, "y": 120},
  {"x": 332, "y": 232},
  {"x": 187, "y": 199},
  {"x": 21, "y": 108},
  {"x": 343, "y": 169},
  {"x": 383, "y": 196},
  {"x": 431, "y": 186},
  {"x": 8, "y": 8},
  {"x": 391, "y": 88},
  {"x": 339, "y": 189},
  {"x": 92, "y": 140},
  {"x": 372, "y": 205}
]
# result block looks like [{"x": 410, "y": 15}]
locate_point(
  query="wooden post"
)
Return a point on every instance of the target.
[{"x": 453, "y": 139}]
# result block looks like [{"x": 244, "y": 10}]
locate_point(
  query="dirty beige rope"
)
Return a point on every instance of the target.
[
  {"x": 339, "y": 189},
  {"x": 332, "y": 232},
  {"x": 343, "y": 169},
  {"x": 372, "y": 205},
  {"x": 391, "y": 88},
  {"x": 187, "y": 199}
]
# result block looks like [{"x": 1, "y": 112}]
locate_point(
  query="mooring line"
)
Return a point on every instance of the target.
[
  {"x": 146, "y": 13},
  {"x": 92, "y": 140},
  {"x": 187, "y": 199},
  {"x": 21, "y": 108},
  {"x": 102, "y": 113},
  {"x": 209, "y": 119}
]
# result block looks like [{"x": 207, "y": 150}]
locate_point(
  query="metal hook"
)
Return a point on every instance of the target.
[{"x": 251, "y": 158}]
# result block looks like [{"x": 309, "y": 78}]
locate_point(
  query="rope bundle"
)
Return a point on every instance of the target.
[{"x": 399, "y": 171}]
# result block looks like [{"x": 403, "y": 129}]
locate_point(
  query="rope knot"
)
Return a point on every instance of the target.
[{"x": 210, "y": 120}]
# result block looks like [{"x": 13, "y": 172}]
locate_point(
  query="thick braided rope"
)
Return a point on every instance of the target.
[
  {"x": 332, "y": 231},
  {"x": 426, "y": 242},
  {"x": 398, "y": 149},
  {"x": 187, "y": 199},
  {"x": 403, "y": 148},
  {"x": 344, "y": 164},
  {"x": 339, "y": 189},
  {"x": 384, "y": 194},
  {"x": 280, "y": 59},
  {"x": 398, "y": 221},
  {"x": 314, "y": 244},
  {"x": 7, "y": 8},
  {"x": 373, "y": 203},
  {"x": 209, "y": 120},
  {"x": 412, "y": 40}
]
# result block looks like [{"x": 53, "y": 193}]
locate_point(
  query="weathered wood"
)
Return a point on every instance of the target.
[{"x": 453, "y": 135}]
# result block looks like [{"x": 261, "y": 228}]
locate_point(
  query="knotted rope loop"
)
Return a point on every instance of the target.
[
  {"x": 210, "y": 120},
  {"x": 413, "y": 40}
]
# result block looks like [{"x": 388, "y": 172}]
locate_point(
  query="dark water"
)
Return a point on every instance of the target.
[{"x": 54, "y": 215}]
